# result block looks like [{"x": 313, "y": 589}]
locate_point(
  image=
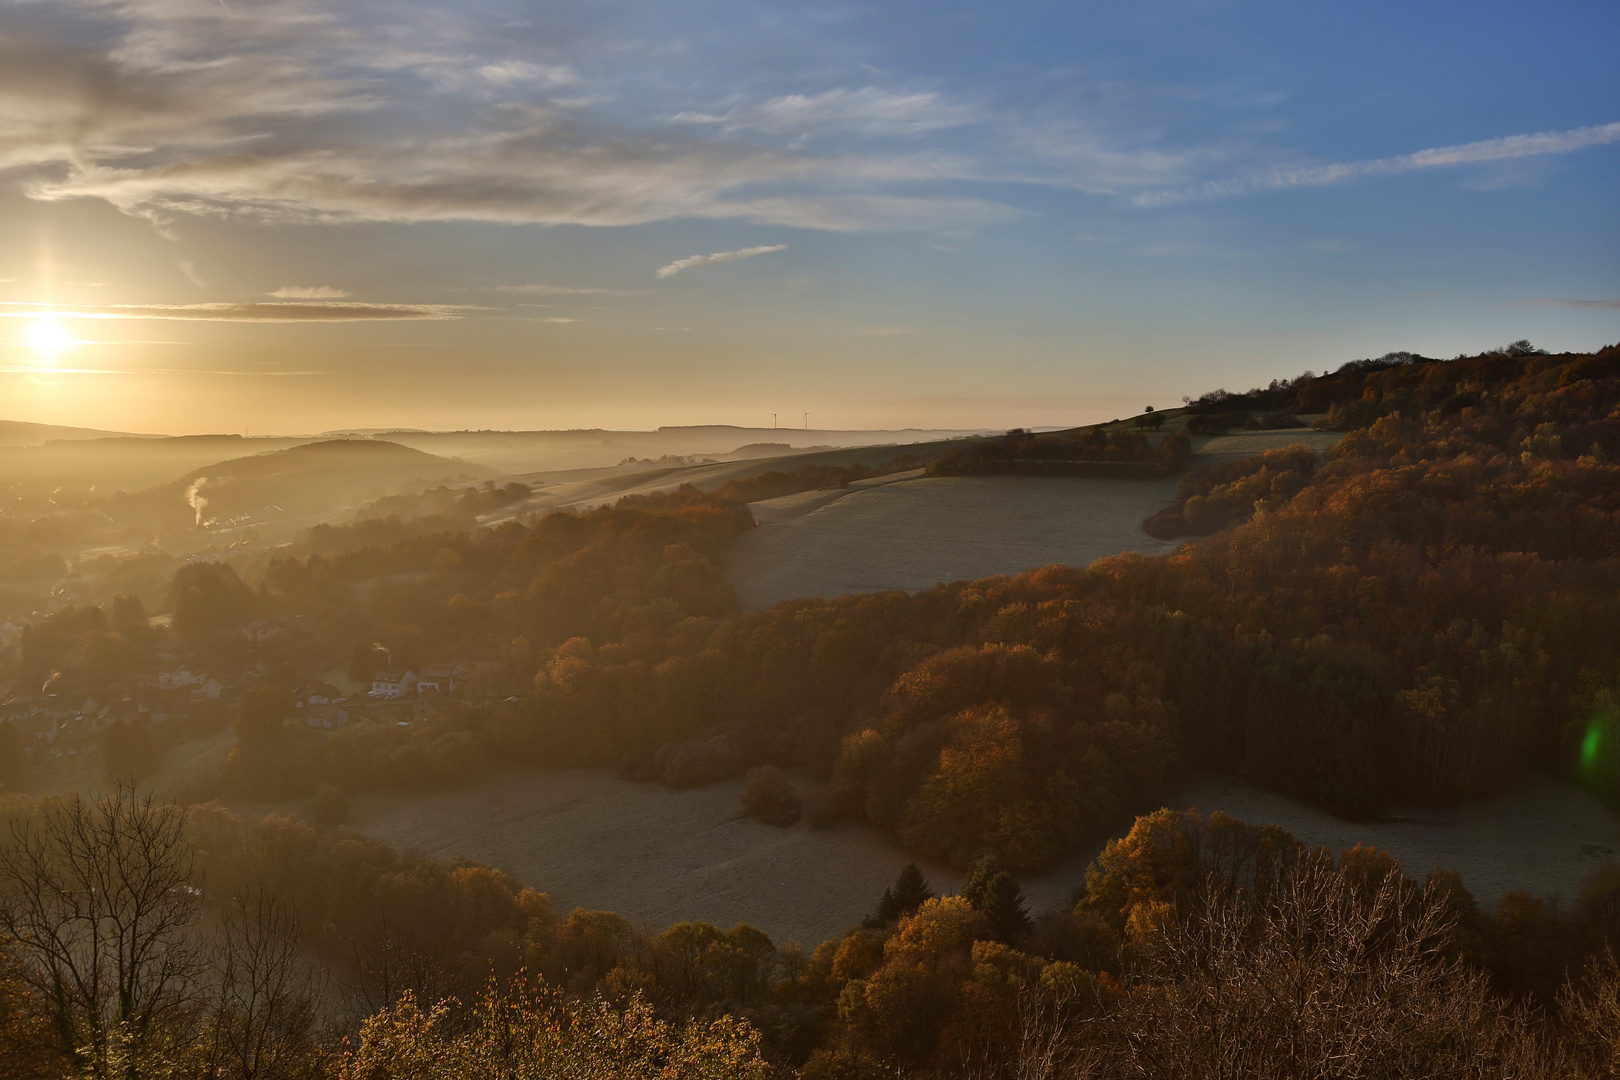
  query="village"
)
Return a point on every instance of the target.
[{"x": 184, "y": 691}]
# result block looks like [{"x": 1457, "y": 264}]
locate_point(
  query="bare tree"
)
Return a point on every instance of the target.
[
  {"x": 101, "y": 900},
  {"x": 387, "y": 964},
  {"x": 263, "y": 1020},
  {"x": 1320, "y": 976}
]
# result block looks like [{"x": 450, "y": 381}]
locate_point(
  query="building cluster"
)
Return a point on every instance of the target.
[{"x": 60, "y": 724}]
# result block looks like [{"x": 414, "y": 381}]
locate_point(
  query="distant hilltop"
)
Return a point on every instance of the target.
[{"x": 916, "y": 433}]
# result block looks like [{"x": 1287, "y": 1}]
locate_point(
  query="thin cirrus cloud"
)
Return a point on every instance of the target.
[
  {"x": 291, "y": 117},
  {"x": 309, "y": 292},
  {"x": 281, "y": 311},
  {"x": 718, "y": 257},
  {"x": 560, "y": 290},
  {"x": 1587, "y": 305},
  {"x": 868, "y": 110},
  {"x": 1474, "y": 153}
]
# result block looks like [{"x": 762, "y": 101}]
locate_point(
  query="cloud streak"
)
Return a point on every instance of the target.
[
  {"x": 559, "y": 290},
  {"x": 869, "y": 110},
  {"x": 718, "y": 257},
  {"x": 309, "y": 292},
  {"x": 311, "y": 311},
  {"x": 1584, "y": 305},
  {"x": 1474, "y": 153}
]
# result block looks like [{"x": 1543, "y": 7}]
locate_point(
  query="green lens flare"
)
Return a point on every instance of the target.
[{"x": 1590, "y": 745}]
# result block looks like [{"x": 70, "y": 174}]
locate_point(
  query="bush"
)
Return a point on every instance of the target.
[
  {"x": 770, "y": 798},
  {"x": 331, "y": 806},
  {"x": 701, "y": 761}
]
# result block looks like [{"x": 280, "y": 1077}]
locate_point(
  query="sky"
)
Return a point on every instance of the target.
[{"x": 295, "y": 216}]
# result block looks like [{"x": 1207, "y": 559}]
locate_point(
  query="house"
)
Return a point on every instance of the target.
[
  {"x": 261, "y": 630},
  {"x": 126, "y": 710},
  {"x": 36, "y": 717},
  {"x": 211, "y": 689},
  {"x": 444, "y": 678},
  {"x": 329, "y": 715},
  {"x": 392, "y": 682},
  {"x": 317, "y": 693},
  {"x": 180, "y": 678}
]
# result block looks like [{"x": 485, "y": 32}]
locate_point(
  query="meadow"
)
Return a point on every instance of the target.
[
  {"x": 914, "y": 533},
  {"x": 590, "y": 839}
]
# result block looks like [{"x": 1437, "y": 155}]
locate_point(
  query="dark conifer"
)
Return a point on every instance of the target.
[
  {"x": 995, "y": 892},
  {"x": 905, "y": 896}
]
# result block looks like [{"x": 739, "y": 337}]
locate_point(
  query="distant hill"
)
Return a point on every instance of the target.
[
  {"x": 23, "y": 433},
  {"x": 311, "y": 479},
  {"x": 110, "y": 463}
]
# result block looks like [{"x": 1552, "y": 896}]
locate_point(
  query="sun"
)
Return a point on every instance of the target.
[{"x": 48, "y": 338}]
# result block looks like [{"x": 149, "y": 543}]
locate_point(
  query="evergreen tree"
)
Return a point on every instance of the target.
[
  {"x": 995, "y": 892},
  {"x": 905, "y": 896}
]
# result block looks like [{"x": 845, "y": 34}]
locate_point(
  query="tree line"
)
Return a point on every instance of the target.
[
  {"x": 140, "y": 939},
  {"x": 1102, "y": 450}
]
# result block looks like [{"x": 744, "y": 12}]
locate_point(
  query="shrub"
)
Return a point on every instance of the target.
[
  {"x": 701, "y": 761},
  {"x": 769, "y": 797}
]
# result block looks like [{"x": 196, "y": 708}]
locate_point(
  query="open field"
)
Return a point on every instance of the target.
[
  {"x": 590, "y": 839},
  {"x": 1244, "y": 444},
  {"x": 1541, "y": 836},
  {"x": 908, "y": 531},
  {"x": 913, "y": 534}
]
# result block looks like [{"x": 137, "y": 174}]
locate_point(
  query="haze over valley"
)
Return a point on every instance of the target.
[{"x": 713, "y": 541}]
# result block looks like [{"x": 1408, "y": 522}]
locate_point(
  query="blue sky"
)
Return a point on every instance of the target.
[{"x": 293, "y": 216}]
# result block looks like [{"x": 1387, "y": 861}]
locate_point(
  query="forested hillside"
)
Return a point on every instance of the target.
[{"x": 1421, "y": 615}]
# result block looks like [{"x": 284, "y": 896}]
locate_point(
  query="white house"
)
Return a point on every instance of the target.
[{"x": 392, "y": 682}]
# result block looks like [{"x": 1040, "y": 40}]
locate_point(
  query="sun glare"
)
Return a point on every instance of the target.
[{"x": 48, "y": 338}]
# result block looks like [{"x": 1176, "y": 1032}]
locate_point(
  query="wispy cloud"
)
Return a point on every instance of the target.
[
  {"x": 1589, "y": 305},
  {"x": 718, "y": 257},
  {"x": 868, "y": 110},
  {"x": 311, "y": 311},
  {"x": 309, "y": 113},
  {"x": 309, "y": 292},
  {"x": 560, "y": 290},
  {"x": 188, "y": 268},
  {"x": 1502, "y": 149}
]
